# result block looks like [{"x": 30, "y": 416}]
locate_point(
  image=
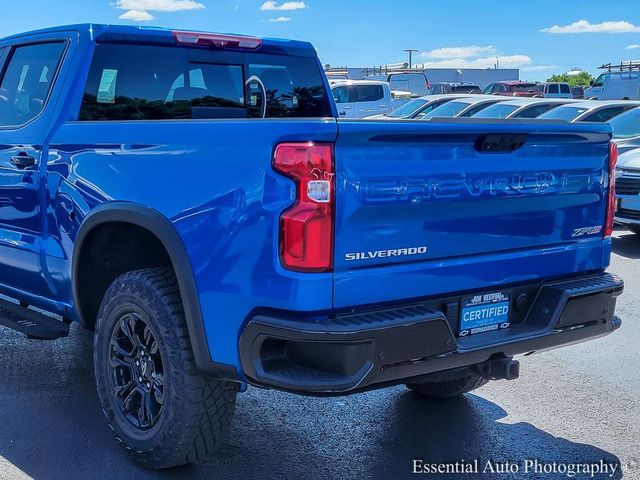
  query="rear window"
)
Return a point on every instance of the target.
[
  {"x": 142, "y": 82},
  {"x": 358, "y": 93},
  {"x": 553, "y": 88},
  {"x": 465, "y": 89},
  {"x": 496, "y": 111},
  {"x": 524, "y": 87},
  {"x": 565, "y": 88}
]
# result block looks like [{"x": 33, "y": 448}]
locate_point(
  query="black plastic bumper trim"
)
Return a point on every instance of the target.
[{"x": 361, "y": 351}]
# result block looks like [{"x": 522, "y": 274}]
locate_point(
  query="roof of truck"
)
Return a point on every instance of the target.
[{"x": 97, "y": 31}]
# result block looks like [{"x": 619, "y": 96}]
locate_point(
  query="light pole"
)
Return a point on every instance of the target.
[{"x": 410, "y": 51}]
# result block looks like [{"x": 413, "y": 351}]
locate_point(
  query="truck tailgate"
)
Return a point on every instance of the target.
[{"x": 424, "y": 209}]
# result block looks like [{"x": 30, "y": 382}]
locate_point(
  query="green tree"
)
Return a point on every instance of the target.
[{"x": 583, "y": 78}]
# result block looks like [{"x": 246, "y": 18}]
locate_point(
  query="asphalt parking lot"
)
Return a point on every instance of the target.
[{"x": 576, "y": 405}]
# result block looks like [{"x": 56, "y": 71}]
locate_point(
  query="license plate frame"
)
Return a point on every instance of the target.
[{"x": 484, "y": 313}]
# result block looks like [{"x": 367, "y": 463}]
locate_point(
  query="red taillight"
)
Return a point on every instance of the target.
[
  {"x": 306, "y": 229},
  {"x": 216, "y": 40},
  {"x": 611, "y": 198}
]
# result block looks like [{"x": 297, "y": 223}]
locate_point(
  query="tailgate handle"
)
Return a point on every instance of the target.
[{"x": 496, "y": 143}]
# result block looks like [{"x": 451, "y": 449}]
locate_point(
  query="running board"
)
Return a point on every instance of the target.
[{"x": 33, "y": 324}]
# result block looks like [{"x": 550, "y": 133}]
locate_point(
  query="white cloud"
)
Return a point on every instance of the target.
[
  {"x": 280, "y": 19},
  {"x": 633, "y": 46},
  {"x": 507, "y": 61},
  {"x": 136, "y": 16},
  {"x": 583, "y": 26},
  {"x": 459, "y": 52},
  {"x": 139, "y": 10},
  {"x": 286, "y": 6}
]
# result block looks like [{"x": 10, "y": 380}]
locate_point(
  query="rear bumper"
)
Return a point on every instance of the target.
[{"x": 364, "y": 350}]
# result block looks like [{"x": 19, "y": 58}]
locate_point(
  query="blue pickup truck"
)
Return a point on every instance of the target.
[{"x": 193, "y": 200}]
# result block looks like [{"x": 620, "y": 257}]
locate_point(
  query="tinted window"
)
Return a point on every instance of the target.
[
  {"x": 465, "y": 89},
  {"x": 496, "y": 111},
  {"x": 600, "y": 81},
  {"x": 27, "y": 80},
  {"x": 534, "y": 111},
  {"x": 553, "y": 89},
  {"x": 358, "y": 93},
  {"x": 524, "y": 87},
  {"x": 449, "y": 109},
  {"x": 140, "y": 82},
  {"x": 626, "y": 125},
  {"x": 474, "y": 110},
  {"x": 408, "y": 108},
  {"x": 565, "y": 88},
  {"x": 564, "y": 113},
  {"x": 604, "y": 115}
]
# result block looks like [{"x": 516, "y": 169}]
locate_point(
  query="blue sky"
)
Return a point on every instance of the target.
[{"x": 541, "y": 37}]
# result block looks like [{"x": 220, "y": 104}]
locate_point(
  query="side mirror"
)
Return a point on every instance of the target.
[{"x": 591, "y": 83}]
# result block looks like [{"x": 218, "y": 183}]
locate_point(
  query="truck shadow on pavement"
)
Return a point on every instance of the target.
[
  {"x": 51, "y": 428},
  {"x": 626, "y": 244}
]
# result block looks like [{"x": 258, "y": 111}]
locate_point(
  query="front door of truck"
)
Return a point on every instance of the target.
[{"x": 28, "y": 72}]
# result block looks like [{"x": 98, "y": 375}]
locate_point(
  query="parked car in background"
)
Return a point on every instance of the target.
[
  {"x": 556, "y": 90},
  {"x": 415, "y": 107},
  {"x": 453, "y": 87},
  {"x": 521, "y": 108},
  {"x": 626, "y": 130},
  {"x": 623, "y": 83},
  {"x": 628, "y": 190},
  {"x": 589, "y": 111},
  {"x": 577, "y": 91},
  {"x": 513, "y": 88},
  {"x": 364, "y": 98},
  {"x": 466, "y": 106}
]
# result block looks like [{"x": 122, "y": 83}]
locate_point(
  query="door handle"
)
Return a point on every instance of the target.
[{"x": 23, "y": 160}]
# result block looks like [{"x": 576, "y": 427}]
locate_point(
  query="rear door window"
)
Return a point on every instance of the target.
[
  {"x": 553, "y": 89},
  {"x": 604, "y": 115},
  {"x": 27, "y": 80},
  {"x": 534, "y": 111},
  {"x": 144, "y": 82},
  {"x": 565, "y": 88}
]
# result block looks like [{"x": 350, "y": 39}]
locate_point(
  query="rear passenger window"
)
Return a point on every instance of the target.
[
  {"x": 565, "y": 88},
  {"x": 143, "y": 82},
  {"x": 26, "y": 81},
  {"x": 605, "y": 114}
]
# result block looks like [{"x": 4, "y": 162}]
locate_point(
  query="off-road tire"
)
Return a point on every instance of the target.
[
  {"x": 449, "y": 385},
  {"x": 197, "y": 410}
]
